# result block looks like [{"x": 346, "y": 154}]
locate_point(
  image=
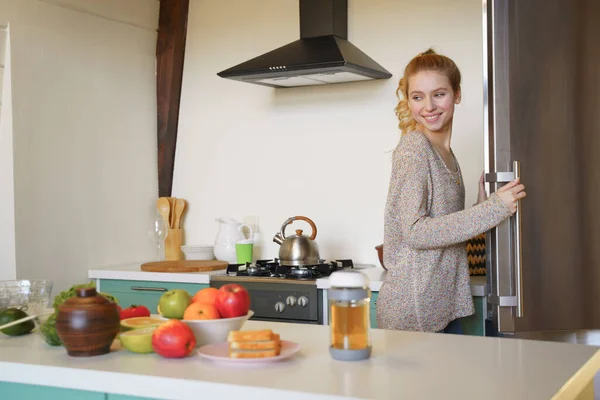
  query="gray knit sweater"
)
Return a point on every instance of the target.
[{"x": 426, "y": 227}]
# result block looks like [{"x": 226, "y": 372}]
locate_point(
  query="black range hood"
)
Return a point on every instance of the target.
[{"x": 323, "y": 54}]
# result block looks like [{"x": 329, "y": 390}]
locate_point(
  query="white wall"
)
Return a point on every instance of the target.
[
  {"x": 84, "y": 134},
  {"x": 323, "y": 152},
  {"x": 8, "y": 265}
]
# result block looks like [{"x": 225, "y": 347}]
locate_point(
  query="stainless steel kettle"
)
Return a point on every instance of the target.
[{"x": 297, "y": 250}]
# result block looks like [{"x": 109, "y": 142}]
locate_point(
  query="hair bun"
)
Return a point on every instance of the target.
[{"x": 427, "y": 52}]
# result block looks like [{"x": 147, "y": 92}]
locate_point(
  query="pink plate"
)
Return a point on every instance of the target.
[{"x": 219, "y": 352}]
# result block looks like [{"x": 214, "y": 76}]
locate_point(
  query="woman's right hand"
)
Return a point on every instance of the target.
[{"x": 511, "y": 193}]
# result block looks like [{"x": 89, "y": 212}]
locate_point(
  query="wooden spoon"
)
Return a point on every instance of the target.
[
  {"x": 172, "y": 215},
  {"x": 180, "y": 206},
  {"x": 164, "y": 208}
]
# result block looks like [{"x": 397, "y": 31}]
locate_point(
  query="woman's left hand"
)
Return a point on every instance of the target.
[{"x": 482, "y": 195}]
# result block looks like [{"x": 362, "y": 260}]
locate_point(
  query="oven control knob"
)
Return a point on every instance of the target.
[
  {"x": 279, "y": 307},
  {"x": 290, "y": 301},
  {"x": 302, "y": 301}
]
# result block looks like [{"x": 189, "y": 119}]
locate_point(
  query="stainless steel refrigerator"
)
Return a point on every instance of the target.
[{"x": 542, "y": 123}]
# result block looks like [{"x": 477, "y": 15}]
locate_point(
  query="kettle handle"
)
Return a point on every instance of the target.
[{"x": 292, "y": 219}]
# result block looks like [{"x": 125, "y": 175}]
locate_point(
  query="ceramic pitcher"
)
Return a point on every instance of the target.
[{"x": 230, "y": 232}]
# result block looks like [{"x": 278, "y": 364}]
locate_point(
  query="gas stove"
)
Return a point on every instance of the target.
[
  {"x": 272, "y": 269},
  {"x": 280, "y": 293}
]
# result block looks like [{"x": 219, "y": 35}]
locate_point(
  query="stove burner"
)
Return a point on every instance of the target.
[
  {"x": 272, "y": 268},
  {"x": 303, "y": 273},
  {"x": 261, "y": 268},
  {"x": 253, "y": 270}
]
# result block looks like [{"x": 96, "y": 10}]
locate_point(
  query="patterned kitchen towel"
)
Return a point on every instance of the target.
[{"x": 476, "y": 255}]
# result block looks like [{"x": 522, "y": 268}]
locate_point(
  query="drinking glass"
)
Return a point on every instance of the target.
[{"x": 158, "y": 233}]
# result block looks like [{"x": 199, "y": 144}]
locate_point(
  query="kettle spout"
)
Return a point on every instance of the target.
[{"x": 278, "y": 238}]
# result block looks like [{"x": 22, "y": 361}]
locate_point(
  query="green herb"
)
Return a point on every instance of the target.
[
  {"x": 48, "y": 331},
  {"x": 63, "y": 296}
]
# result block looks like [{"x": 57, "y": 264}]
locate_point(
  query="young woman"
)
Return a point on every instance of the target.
[{"x": 426, "y": 226}]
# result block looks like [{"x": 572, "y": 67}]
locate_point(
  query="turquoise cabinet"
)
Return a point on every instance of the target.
[
  {"x": 10, "y": 391},
  {"x": 374, "y": 296},
  {"x": 20, "y": 391},
  {"x": 146, "y": 293},
  {"x": 475, "y": 324}
]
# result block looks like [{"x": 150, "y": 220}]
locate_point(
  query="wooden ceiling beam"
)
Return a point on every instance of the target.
[{"x": 170, "y": 52}]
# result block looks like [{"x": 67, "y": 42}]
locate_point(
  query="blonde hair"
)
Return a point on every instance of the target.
[{"x": 427, "y": 61}]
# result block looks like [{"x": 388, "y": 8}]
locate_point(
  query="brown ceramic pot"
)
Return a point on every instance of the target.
[
  {"x": 380, "y": 255},
  {"x": 87, "y": 324}
]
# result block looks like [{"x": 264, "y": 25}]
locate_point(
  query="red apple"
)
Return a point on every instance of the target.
[
  {"x": 173, "y": 339},
  {"x": 233, "y": 300}
]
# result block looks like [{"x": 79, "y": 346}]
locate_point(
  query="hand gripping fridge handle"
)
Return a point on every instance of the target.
[
  {"x": 512, "y": 301},
  {"x": 518, "y": 247}
]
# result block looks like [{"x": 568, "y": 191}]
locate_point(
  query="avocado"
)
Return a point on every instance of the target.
[{"x": 13, "y": 314}]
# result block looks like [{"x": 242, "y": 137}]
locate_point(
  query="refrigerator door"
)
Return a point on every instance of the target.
[{"x": 542, "y": 107}]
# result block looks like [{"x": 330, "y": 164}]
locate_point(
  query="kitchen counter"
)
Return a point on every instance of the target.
[
  {"x": 408, "y": 365},
  {"x": 133, "y": 272},
  {"x": 377, "y": 274}
]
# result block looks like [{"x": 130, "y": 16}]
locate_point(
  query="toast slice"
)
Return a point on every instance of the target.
[
  {"x": 253, "y": 353},
  {"x": 247, "y": 336},
  {"x": 258, "y": 345},
  {"x": 254, "y": 344}
]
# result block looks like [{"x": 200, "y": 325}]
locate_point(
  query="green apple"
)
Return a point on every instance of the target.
[{"x": 173, "y": 303}]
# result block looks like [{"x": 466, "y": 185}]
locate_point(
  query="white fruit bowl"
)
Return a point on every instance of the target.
[{"x": 208, "y": 331}]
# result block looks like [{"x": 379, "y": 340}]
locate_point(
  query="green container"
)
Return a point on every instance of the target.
[{"x": 243, "y": 252}]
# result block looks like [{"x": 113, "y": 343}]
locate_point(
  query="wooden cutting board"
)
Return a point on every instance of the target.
[{"x": 184, "y": 266}]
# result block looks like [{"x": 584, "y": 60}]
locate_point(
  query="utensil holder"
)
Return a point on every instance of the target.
[{"x": 173, "y": 243}]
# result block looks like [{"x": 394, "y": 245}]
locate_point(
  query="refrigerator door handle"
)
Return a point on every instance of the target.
[
  {"x": 499, "y": 177},
  {"x": 518, "y": 248},
  {"x": 512, "y": 301},
  {"x": 502, "y": 301}
]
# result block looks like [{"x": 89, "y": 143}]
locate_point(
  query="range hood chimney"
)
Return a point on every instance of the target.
[{"x": 323, "y": 54}]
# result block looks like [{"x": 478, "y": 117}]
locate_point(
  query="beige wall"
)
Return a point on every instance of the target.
[
  {"x": 323, "y": 152},
  {"x": 84, "y": 134}
]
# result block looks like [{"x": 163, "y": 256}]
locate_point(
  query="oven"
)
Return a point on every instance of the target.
[
  {"x": 279, "y": 293},
  {"x": 279, "y": 301}
]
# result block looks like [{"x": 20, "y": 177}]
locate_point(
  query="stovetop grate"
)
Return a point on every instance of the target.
[{"x": 272, "y": 269}]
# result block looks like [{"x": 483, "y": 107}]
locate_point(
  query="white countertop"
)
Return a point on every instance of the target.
[
  {"x": 133, "y": 272},
  {"x": 406, "y": 365},
  {"x": 377, "y": 274}
]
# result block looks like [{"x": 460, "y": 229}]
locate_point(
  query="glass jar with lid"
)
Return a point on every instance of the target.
[{"x": 349, "y": 309}]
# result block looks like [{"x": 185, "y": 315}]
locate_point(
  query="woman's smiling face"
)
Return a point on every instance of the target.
[{"x": 431, "y": 100}]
